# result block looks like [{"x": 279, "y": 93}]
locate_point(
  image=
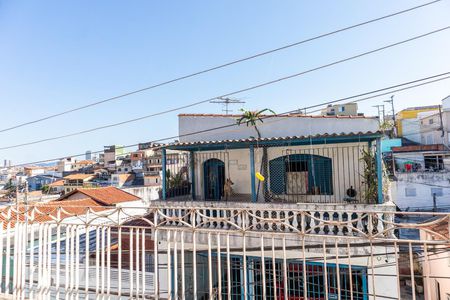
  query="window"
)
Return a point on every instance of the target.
[
  {"x": 434, "y": 163},
  {"x": 300, "y": 174},
  {"x": 341, "y": 108},
  {"x": 430, "y": 121},
  {"x": 437, "y": 191},
  {"x": 410, "y": 192}
]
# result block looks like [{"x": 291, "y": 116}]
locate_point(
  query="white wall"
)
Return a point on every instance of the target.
[
  {"x": 146, "y": 193},
  {"x": 411, "y": 129},
  {"x": 422, "y": 183},
  {"x": 272, "y": 127}
]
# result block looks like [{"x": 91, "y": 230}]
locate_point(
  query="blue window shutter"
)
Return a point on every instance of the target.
[
  {"x": 321, "y": 175},
  {"x": 277, "y": 175}
]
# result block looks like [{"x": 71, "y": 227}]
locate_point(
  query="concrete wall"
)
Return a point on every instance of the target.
[
  {"x": 272, "y": 127},
  {"x": 422, "y": 183},
  {"x": 146, "y": 193}
]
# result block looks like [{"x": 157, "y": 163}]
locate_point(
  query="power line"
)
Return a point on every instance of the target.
[
  {"x": 281, "y": 114},
  {"x": 219, "y": 66},
  {"x": 228, "y": 94}
]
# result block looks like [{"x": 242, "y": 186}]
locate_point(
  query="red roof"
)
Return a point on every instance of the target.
[
  {"x": 46, "y": 212},
  {"x": 105, "y": 196},
  {"x": 274, "y": 116}
]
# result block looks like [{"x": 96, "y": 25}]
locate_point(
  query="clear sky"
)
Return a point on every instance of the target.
[{"x": 56, "y": 55}]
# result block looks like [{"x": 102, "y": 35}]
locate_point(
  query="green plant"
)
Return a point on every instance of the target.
[
  {"x": 370, "y": 175},
  {"x": 251, "y": 118}
]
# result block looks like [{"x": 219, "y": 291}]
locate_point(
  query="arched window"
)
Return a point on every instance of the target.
[{"x": 299, "y": 174}]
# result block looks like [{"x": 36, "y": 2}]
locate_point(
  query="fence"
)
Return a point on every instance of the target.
[
  {"x": 330, "y": 173},
  {"x": 120, "y": 253}
]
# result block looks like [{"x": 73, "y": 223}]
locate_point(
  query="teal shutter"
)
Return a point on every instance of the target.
[
  {"x": 277, "y": 175},
  {"x": 321, "y": 174}
]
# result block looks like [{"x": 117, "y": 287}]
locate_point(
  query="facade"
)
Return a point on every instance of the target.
[
  {"x": 111, "y": 155},
  {"x": 77, "y": 180},
  {"x": 64, "y": 165},
  {"x": 33, "y": 170},
  {"x": 347, "y": 109},
  {"x": 122, "y": 180},
  {"x": 407, "y": 121},
  {"x": 152, "y": 180},
  {"x": 335, "y": 171},
  {"x": 56, "y": 187},
  {"x": 39, "y": 181},
  {"x": 437, "y": 268},
  {"x": 82, "y": 164}
]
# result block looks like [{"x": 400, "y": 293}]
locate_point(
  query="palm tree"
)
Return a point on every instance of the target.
[{"x": 251, "y": 118}]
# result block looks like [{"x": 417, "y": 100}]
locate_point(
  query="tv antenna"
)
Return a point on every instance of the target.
[{"x": 225, "y": 101}]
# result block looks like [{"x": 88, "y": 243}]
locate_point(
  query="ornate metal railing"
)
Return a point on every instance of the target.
[{"x": 193, "y": 252}]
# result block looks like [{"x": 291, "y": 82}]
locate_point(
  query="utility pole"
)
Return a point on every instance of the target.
[
  {"x": 434, "y": 203},
  {"x": 393, "y": 114},
  {"x": 442, "y": 124},
  {"x": 379, "y": 111}
]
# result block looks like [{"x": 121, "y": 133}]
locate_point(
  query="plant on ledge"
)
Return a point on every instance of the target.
[{"x": 370, "y": 176}]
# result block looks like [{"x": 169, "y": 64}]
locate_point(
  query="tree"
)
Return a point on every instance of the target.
[{"x": 252, "y": 118}]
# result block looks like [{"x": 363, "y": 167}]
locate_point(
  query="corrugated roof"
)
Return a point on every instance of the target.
[
  {"x": 279, "y": 116},
  {"x": 281, "y": 139}
]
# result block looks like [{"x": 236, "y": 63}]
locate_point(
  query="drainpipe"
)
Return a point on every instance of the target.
[
  {"x": 252, "y": 173},
  {"x": 164, "y": 162},
  {"x": 379, "y": 171},
  {"x": 192, "y": 169}
]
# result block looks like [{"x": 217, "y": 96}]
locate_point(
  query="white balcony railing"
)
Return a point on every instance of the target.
[{"x": 192, "y": 251}]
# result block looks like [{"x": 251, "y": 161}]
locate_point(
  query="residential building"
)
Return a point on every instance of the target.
[
  {"x": 82, "y": 164},
  {"x": 88, "y": 155},
  {"x": 56, "y": 187},
  {"x": 436, "y": 269},
  {"x": 407, "y": 122},
  {"x": 152, "y": 180},
  {"x": 64, "y": 165},
  {"x": 33, "y": 170},
  {"x": 104, "y": 196},
  {"x": 19, "y": 178},
  {"x": 122, "y": 180},
  {"x": 435, "y": 126},
  {"x": 111, "y": 155},
  {"x": 77, "y": 180},
  {"x": 421, "y": 180},
  {"x": 346, "y": 109},
  {"x": 303, "y": 162},
  {"x": 39, "y": 181}
]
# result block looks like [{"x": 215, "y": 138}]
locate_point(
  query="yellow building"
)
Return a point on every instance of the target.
[{"x": 411, "y": 113}]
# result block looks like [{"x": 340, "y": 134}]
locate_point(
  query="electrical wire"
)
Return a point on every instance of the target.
[
  {"x": 228, "y": 94},
  {"x": 219, "y": 66},
  {"x": 264, "y": 117}
]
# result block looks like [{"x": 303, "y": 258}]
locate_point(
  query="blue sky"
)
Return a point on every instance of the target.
[{"x": 56, "y": 55}]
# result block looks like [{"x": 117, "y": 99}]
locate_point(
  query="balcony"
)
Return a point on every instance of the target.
[{"x": 167, "y": 253}]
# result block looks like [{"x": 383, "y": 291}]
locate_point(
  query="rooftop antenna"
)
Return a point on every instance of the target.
[{"x": 225, "y": 101}]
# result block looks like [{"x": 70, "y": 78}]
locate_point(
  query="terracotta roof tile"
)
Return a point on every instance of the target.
[
  {"x": 57, "y": 183},
  {"x": 78, "y": 176},
  {"x": 274, "y": 116},
  {"x": 107, "y": 195},
  {"x": 46, "y": 212}
]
